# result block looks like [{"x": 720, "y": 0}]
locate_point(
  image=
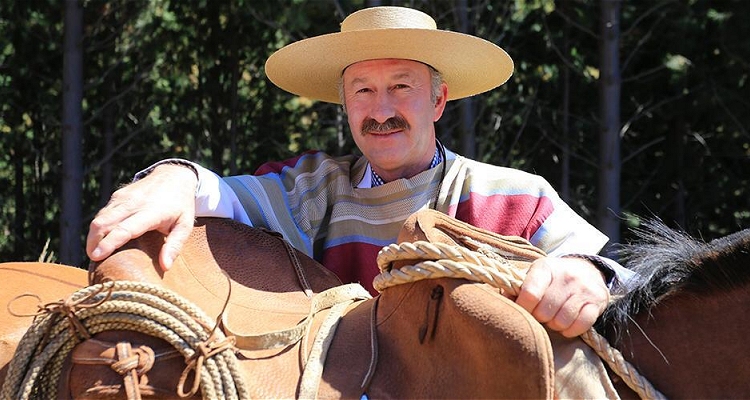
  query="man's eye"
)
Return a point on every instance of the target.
[
  {"x": 363, "y": 90},
  {"x": 401, "y": 86}
]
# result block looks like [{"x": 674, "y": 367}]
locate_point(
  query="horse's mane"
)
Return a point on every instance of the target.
[{"x": 667, "y": 261}]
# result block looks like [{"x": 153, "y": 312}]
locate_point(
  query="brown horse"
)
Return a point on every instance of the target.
[
  {"x": 440, "y": 338},
  {"x": 677, "y": 322},
  {"x": 681, "y": 322}
]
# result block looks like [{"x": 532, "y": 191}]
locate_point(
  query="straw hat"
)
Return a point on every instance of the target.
[{"x": 312, "y": 67}]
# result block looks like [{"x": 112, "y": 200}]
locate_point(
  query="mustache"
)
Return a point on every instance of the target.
[{"x": 394, "y": 123}]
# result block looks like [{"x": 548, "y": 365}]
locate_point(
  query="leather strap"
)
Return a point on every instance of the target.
[
  {"x": 129, "y": 376},
  {"x": 313, "y": 371},
  {"x": 285, "y": 337}
]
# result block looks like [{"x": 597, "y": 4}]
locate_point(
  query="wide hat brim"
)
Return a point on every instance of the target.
[{"x": 312, "y": 67}]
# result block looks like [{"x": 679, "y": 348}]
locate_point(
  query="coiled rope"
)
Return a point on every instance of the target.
[
  {"x": 35, "y": 370},
  {"x": 486, "y": 266}
]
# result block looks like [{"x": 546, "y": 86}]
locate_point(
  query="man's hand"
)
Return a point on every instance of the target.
[
  {"x": 567, "y": 294},
  {"x": 164, "y": 201}
]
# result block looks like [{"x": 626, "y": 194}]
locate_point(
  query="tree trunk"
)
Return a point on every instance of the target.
[
  {"x": 609, "y": 139},
  {"x": 72, "y": 164}
]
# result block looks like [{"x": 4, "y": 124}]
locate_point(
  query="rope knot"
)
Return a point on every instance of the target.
[
  {"x": 127, "y": 365},
  {"x": 140, "y": 360},
  {"x": 205, "y": 349},
  {"x": 66, "y": 308}
]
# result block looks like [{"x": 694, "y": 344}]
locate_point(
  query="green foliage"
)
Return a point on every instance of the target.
[
  {"x": 686, "y": 138},
  {"x": 167, "y": 78},
  {"x": 30, "y": 70}
]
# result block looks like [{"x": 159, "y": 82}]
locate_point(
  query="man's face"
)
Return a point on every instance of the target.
[{"x": 391, "y": 114}]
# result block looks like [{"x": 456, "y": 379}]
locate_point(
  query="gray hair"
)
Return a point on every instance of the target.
[{"x": 436, "y": 79}]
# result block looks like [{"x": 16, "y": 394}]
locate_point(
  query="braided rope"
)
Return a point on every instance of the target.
[
  {"x": 123, "y": 305},
  {"x": 446, "y": 261}
]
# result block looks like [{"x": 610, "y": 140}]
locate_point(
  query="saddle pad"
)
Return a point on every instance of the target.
[{"x": 43, "y": 283}]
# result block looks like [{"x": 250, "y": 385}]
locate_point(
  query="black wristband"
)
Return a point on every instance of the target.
[{"x": 170, "y": 161}]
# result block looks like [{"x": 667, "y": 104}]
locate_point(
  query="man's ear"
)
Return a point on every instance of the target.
[{"x": 440, "y": 102}]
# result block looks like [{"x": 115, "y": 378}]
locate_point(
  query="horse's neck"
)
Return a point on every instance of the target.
[{"x": 688, "y": 340}]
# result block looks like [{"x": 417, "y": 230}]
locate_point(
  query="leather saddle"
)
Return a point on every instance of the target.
[{"x": 434, "y": 338}]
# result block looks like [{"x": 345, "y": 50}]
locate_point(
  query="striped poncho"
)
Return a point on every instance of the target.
[{"x": 326, "y": 208}]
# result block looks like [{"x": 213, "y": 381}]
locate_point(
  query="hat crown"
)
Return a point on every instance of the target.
[{"x": 387, "y": 18}]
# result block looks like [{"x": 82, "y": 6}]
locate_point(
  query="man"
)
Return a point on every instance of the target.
[{"x": 393, "y": 71}]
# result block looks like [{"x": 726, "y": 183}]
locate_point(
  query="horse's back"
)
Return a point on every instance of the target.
[{"x": 25, "y": 285}]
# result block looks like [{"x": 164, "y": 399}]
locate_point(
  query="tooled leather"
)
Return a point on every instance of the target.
[{"x": 91, "y": 376}]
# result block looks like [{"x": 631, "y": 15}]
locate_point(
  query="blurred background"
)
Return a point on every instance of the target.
[{"x": 632, "y": 110}]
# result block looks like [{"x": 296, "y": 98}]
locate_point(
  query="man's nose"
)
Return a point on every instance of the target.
[{"x": 383, "y": 108}]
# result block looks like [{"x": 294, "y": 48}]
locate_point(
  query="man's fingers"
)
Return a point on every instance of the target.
[
  {"x": 551, "y": 310},
  {"x": 568, "y": 315},
  {"x": 105, "y": 222},
  {"x": 111, "y": 241},
  {"x": 565, "y": 294},
  {"x": 156, "y": 202},
  {"x": 175, "y": 240},
  {"x": 571, "y": 319},
  {"x": 95, "y": 235},
  {"x": 534, "y": 286},
  {"x": 585, "y": 320},
  {"x": 126, "y": 230}
]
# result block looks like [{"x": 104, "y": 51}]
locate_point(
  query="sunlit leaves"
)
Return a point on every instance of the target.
[
  {"x": 676, "y": 63},
  {"x": 523, "y": 8},
  {"x": 718, "y": 16}
]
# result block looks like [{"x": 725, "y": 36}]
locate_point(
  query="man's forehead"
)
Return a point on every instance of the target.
[{"x": 397, "y": 68}]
